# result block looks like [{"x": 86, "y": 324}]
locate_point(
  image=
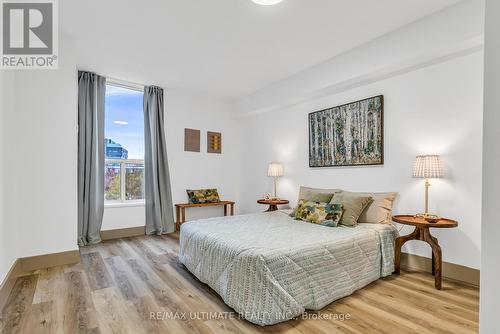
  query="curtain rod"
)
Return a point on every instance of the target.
[
  {"x": 119, "y": 82},
  {"x": 125, "y": 84}
]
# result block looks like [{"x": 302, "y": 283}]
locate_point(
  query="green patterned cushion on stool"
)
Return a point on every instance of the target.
[{"x": 203, "y": 196}]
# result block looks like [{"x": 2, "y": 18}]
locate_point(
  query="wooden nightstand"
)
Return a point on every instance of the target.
[
  {"x": 273, "y": 203},
  {"x": 423, "y": 233}
]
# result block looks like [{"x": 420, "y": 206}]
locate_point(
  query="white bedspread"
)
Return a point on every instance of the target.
[{"x": 270, "y": 268}]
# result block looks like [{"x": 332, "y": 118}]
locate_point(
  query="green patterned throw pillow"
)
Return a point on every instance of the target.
[
  {"x": 203, "y": 196},
  {"x": 325, "y": 214}
]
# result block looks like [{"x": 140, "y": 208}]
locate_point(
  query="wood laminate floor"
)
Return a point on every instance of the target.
[{"x": 119, "y": 284}]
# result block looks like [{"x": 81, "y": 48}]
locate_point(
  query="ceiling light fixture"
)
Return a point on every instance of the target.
[
  {"x": 267, "y": 2},
  {"x": 121, "y": 122}
]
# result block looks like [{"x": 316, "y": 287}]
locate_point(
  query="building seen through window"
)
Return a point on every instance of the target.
[{"x": 115, "y": 150}]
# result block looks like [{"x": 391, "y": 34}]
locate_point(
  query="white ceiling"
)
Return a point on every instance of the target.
[{"x": 226, "y": 48}]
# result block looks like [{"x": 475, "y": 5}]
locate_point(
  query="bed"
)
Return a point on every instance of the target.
[{"x": 271, "y": 268}]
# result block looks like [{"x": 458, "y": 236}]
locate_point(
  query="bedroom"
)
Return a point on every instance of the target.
[{"x": 229, "y": 87}]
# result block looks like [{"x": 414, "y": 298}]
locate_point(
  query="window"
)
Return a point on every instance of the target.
[{"x": 124, "y": 132}]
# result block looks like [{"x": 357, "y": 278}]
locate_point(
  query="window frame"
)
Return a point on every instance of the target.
[{"x": 123, "y": 202}]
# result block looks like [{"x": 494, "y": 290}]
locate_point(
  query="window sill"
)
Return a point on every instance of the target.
[{"x": 112, "y": 204}]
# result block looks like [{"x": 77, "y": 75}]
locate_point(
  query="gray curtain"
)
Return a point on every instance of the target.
[
  {"x": 91, "y": 93},
  {"x": 159, "y": 209}
]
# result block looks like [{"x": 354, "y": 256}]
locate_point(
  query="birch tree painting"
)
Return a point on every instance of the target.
[{"x": 347, "y": 135}]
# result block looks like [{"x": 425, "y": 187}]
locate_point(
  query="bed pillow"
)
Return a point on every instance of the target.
[
  {"x": 326, "y": 214},
  {"x": 353, "y": 205},
  {"x": 315, "y": 195},
  {"x": 379, "y": 210},
  {"x": 203, "y": 196}
]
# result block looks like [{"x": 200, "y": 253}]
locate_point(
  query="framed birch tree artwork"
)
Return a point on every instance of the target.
[{"x": 348, "y": 135}]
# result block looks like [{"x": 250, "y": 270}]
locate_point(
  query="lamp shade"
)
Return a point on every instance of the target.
[
  {"x": 428, "y": 166},
  {"x": 275, "y": 169}
]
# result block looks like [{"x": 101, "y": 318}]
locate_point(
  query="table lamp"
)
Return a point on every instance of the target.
[
  {"x": 275, "y": 170},
  {"x": 428, "y": 166}
]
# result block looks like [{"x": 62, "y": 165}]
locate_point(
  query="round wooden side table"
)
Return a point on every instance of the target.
[
  {"x": 273, "y": 203},
  {"x": 423, "y": 233}
]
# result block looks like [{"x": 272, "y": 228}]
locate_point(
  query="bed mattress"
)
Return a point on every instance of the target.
[{"x": 271, "y": 268}]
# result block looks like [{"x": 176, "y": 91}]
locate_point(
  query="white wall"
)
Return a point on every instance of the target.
[
  {"x": 4, "y": 265},
  {"x": 39, "y": 159},
  {"x": 117, "y": 217},
  {"x": 436, "y": 109},
  {"x": 189, "y": 170},
  {"x": 8, "y": 244},
  {"x": 7, "y": 256},
  {"x": 490, "y": 267}
]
